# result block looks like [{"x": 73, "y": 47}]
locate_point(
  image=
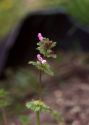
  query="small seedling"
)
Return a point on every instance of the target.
[{"x": 38, "y": 106}]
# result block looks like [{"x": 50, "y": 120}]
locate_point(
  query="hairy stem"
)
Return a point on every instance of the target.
[
  {"x": 40, "y": 84},
  {"x": 40, "y": 78},
  {"x": 38, "y": 118}
]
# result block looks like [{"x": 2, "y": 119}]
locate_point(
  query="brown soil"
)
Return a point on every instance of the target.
[{"x": 68, "y": 92}]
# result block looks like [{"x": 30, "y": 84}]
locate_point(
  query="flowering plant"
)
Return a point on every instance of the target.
[
  {"x": 42, "y": 64},
  {"x": 44, "y": 46}
]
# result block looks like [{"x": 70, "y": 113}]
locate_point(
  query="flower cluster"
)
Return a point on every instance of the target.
[
  {"x": 44, "y": 46},
  {"x": 40, "y": 59}
]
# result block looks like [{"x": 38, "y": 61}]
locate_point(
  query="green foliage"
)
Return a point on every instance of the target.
[
  {"x": 37, "y": 106},
  {"x": 24, "y": 119},
  {"x": 54, "y": 3},
  {"x": 57, "y": 116},
  {"x": 4, "y": 98},
  {"x": 45, "y": 67},
  {"x": 79, "y": 9},
  {"x": 45, "y": 47},
  {"x": 11, "y": 11},
  {"x": 23, "y": 80}
]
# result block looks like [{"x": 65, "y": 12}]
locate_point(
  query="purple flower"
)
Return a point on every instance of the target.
[
  {"x": 40, "y": 59},
  {"x": 40, "y": 37},
  {"x": 44, "y": 61}
]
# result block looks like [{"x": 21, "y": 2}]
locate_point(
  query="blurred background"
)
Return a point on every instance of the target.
[
  {"x": 69, "y": 86},
  {"x": 11, "y": 12}
]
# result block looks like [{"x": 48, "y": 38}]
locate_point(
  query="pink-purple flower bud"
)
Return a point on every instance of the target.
[
  {"x": 40, "y": 37},
  {"x": 44, "y": 61},
  {"x": 40, "y": 59}
]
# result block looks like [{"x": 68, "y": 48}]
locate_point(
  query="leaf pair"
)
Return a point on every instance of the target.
[
  {"x": 4, "y": 98},
  {"x": 43, "y": 67},
  {"x": 38, "y": 106}
]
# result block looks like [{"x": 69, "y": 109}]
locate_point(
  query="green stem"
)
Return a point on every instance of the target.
[
  {"x": 38, "y": 118},
  {"x": 40, "y": 79},
  {"x": 40, "y": 84},
  {"x": 4, "y": 116}
]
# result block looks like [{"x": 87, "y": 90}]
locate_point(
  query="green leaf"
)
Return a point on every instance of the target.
[
  {"x": 47, "y": 69},
  {"x": 37, "y": 106},
  {"x": 4, "y": 98},
  {"x": 43, "y": 67}
]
